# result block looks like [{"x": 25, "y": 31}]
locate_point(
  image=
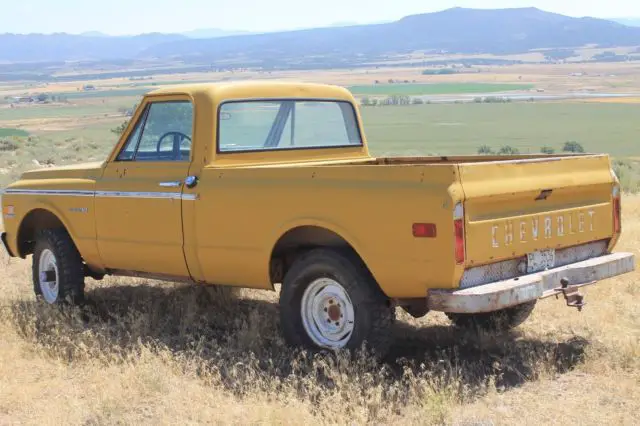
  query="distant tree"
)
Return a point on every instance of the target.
[
  {"x": 120, "y": 129},
  {"x": 441, "y": 71},
  {"x": 365, "y": 101},
  {"x": 42, "y": 97},
  {"x": 397, "y": 100},
  {"x": 8, "y": 145},
  {"x": 547, "y": 150},
  {"x": 559, "y": 54},
  {"x": 572, "y": 146},
  {"x": 374, "y": 102},
  {"x": 508, "y": 150},
  {"x": 485, "y": 150},
  {"x": 417, "y": 101}
]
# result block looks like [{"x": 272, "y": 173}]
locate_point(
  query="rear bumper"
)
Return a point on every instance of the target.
[
  {"x": 3, "y": 236},
  {"x": 503, "y": 294}
]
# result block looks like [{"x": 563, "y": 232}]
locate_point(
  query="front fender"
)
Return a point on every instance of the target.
[{"x": 74, "y": 214}]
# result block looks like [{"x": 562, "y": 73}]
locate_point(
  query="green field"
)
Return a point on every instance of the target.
[
  {"x": 462, "y": 128},
  {"x": 72, "y": 109},
  {"x": 109, "y": 93},
  {"x": 435, "y": 88},
  {"x": 4, "y": 132}
]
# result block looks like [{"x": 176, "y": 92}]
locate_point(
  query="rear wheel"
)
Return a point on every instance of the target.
[
  {"x": 498, "y": 321},
  {"x": 330, "y": 300},
  {"x": 58, "y": 271}
]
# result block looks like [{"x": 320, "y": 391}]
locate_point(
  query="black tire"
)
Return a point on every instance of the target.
[
  {"x": 498, "y": 321},
  {"x": 373, "y": 314},
  {"x": 69, "y": 264}
]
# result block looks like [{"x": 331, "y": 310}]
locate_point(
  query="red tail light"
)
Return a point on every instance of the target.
[
  {"x": 458, "y": 226},
  {"x": 424, "y": 230},
  {"x": 617, "y": 222}
]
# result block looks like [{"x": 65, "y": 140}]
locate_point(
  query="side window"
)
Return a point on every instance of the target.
[
  {"x": 164, "y": 135},
  {"x": 132, "y": 142}
]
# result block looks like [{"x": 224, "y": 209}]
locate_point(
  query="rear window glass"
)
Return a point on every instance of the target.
[{"x": 286, "y": 124}]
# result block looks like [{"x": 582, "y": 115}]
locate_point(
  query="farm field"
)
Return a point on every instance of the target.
[
  {"x": 462, "y": 128},
  {"x": 436, "y": 88}
]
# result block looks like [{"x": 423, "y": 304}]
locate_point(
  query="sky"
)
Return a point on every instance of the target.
[{"x": 119, "y": 17}]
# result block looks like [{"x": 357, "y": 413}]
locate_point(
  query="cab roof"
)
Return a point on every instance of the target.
[{"x": 264, "y": 89}]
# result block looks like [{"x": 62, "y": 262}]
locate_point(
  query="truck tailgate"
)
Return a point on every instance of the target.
[{"x": 514, "y": 208}]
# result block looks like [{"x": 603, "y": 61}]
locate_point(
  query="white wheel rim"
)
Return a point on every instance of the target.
[
  {"x": 327, "y": 313},
  {"x": 48, "y": 276}
]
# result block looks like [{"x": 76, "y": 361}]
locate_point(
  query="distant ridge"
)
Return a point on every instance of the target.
[
  {"x": 458, "y": 30},
  {"x": 632, "y": 22}
]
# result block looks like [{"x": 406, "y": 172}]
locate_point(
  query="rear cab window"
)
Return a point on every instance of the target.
[{"x": 269, "y": 125}]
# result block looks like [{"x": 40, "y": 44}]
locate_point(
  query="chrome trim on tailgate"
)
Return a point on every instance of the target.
[{"x": 503, "y": 294}]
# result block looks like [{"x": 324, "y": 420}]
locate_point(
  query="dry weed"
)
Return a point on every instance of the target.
[{"x": 147, "y": 352}]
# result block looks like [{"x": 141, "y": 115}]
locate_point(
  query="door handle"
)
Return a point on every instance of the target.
[
  {"x": 191, "y": 181},
  {"x": 174, "y": 184}
]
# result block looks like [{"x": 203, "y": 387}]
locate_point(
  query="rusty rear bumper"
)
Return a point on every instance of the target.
[{"x": 503, "y": 294}]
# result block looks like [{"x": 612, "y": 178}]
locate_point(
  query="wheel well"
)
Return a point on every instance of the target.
[
  {"x": 299, "y": 240},
  {"x": 32, "y": 223}
]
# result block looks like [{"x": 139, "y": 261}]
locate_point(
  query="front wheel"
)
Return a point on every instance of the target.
[
  {"x": 58, "y": 271},
  {"x": 330, "y": 301},
  {"x": 498, "y": 321}
]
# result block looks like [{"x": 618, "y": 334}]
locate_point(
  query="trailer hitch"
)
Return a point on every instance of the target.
[{"x": 571, "y": 293}]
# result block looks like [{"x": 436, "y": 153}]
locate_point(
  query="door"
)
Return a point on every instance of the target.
[{"x": 139, "y": 197}]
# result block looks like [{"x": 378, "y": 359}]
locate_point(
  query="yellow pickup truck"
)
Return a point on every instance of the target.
[{"x": 263, "y": 184}]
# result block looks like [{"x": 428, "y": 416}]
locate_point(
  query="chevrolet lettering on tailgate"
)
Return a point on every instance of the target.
[
  {"x": 270, "y": 185},
  {"x": 545, "y": 227}
]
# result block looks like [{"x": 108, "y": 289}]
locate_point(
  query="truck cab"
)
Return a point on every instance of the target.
[{"x": 264, "y": 184}]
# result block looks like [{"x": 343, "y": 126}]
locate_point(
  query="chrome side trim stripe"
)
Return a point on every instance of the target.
[
  {"x": 67, "y": 192},
  {"x": 123, "y": 194},
  {"x": 104, "y": 194}
]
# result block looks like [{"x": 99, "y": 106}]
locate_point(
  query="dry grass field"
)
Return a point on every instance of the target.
[
  {"x": 146, "y": 352},
  {"x": 150, "y": 353}
]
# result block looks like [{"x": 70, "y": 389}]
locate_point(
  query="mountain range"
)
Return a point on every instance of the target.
[
  {"x": 632, "y": 22},
  {"x": 457, "y": 30}
]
